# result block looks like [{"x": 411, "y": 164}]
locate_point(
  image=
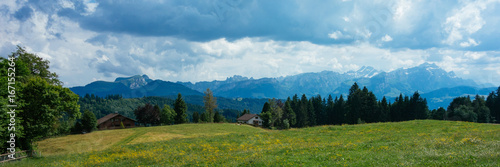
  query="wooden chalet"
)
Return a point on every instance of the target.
[
  {"x": 251, "y": 119},
  {"x": 114, "y": 121}
]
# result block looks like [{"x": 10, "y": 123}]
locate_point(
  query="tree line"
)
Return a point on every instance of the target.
[
  {"x": 362, "y": 106},
  {"x": 152, "y": 114}
]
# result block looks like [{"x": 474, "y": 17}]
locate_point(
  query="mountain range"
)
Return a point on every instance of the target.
[{"x": 432, "y": 82}]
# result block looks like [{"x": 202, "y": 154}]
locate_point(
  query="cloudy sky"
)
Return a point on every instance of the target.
[{"x": 211, "y": 40}]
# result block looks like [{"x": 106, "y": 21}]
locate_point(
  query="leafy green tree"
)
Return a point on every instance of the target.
[
  {"x": 6, "y": 130},
  {"x": 210, "y": 104},
  {"x": 167, "y": 115},
  {"x": 89, "y": 121},
  {"x": 44, "y": 107},
  {"x": 78, "y": 128},
  {"x": 276, "y": 112},
  {"x": 439, "y": 114},
  {"x": 148, "y": 114},
  {"x": 455, "y": 104},
  {"x": 180, "y": 109},
  {"x": 464, "y": 113}
]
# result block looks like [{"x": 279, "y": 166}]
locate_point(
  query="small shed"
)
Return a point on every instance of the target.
[
  {"x": 115, "y": 121},
  {"x": 251, "y": 119}
]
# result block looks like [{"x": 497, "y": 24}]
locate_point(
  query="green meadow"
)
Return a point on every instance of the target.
[{"x": 411, "y": 143}]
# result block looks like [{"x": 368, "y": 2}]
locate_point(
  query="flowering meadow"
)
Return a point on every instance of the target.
[{"x": 410, "y": 143}]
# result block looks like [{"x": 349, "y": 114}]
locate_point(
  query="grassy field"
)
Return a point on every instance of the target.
[{"x": 412, "y": 143}]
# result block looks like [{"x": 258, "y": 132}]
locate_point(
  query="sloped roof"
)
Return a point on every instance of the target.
[
  {"x": 246, "y": 117},
  {"x": 109, "y": 116}
]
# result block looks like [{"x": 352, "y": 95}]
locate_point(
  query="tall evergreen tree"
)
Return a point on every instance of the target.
[
  {"x": 218, "y": 117},
  {"x": 354, "y": 104},
  {"x": 493, "y": 103},
  {"x": 180, "y": 109},
  {"x": 330, "y": 114},
  {"x": 302, "y": 114},
  {"x": 311, "y": 112},
  {"x": 480, "y": 108},
  {"x": 319, "y": 114},
  {"x": 210, "y": 104},
  {"x": 384, "y": 111},
  {"x": 289, "y": 114},
  {"x": 418, "y": 107},
  {"x": 339, "y": 110},
  {"x": 196, "y": 117},
  {"x": 295, "y": 104}
]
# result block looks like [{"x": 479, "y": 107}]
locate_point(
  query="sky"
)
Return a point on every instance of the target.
[{"x": 205, "y": 40}]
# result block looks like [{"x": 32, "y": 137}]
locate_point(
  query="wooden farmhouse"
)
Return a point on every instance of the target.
[
  {"x": 251, "y": 119},
  {"x": 114, "y": 121}
]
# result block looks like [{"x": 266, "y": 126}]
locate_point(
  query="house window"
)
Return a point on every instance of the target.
[{"x": 256, "y": 117}]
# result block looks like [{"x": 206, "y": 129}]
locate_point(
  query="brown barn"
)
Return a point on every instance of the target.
[{"x": 113, "y": 121}]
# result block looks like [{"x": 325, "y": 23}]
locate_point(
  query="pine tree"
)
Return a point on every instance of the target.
[
  {"x": 311, "y": 113},
  {"x": 218, "y": 117},
  {"x": 289, "y": 114},
  {"x": 354, "y": 104},
  {"x": 384, "y": 110},
  {"x": 330, "y": 114},
  {"x": 196, "y": 117},
  {"x": 340, "y": 111},
  {"x": 210, "y": 104},
  {"x": 418, "y": 107},
  {"x": 180, "y": 109},
  {"x": 483, "y": 112},
  {"x": 302, "y": 114}
]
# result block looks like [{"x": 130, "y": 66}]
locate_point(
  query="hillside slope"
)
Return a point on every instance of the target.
[{"x": 412, "y": 143}]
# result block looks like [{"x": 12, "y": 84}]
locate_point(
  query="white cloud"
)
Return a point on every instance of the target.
[
  {"x": 386, "y": 38},
  {"x": 346, "y": 19},
  {"x": 465, "y": 22},
  {"x": 79, "y": 61},
  {"x": 470, "y": 42},
  {"x": 335, "y": 35}
]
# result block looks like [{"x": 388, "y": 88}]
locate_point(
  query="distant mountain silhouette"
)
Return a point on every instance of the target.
[
  {"x": 430, "y": 80},
  {"x": 135, "y": 86}
]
